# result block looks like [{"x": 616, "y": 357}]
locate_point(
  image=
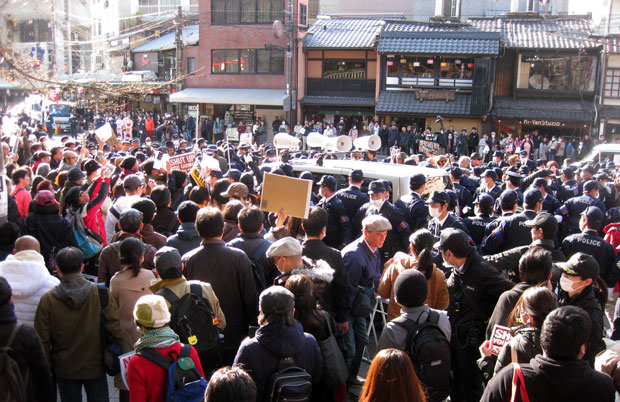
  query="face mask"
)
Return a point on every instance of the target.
[
  {"x": 377, "y": 203},
  {"x": 524, "y": 160},
  {"x": 434, "y": 212},
  {"x": 569, "y": 286}
]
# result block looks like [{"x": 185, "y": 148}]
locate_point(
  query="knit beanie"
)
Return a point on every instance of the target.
[{"x": 411, "y": 288}]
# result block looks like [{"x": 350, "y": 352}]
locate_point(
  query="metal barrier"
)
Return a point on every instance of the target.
[{"x": 380, "y": 307}]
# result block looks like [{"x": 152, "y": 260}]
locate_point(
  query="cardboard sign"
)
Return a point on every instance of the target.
[
  {"x": 105, "y": 132},
  {"x": 286, "y": 193},
  {"x": 183, "y": 162},
  {"x": 501, "y": 335},
  {"x": 124, "y": 360},
  {"x": 245, "y": 139},
  {"x": 428, "y": 147}
]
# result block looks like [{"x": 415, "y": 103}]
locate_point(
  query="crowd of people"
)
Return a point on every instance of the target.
[{"x": 107, "y": 250}]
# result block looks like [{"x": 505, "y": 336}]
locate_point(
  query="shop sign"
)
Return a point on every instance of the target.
[
  {"x": 435, "y": 95},
  {"x": 542, "y": 123}
]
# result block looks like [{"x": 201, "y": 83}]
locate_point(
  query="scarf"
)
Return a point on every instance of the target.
[
  {"x": 157, "y": 338},
  {"x": 7, "y": 314}
]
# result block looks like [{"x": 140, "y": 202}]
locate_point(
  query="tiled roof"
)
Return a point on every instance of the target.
[
  {"x": 538, "y": 108},
  {"x": 190, "y": 37},
  {"x": 338, "y": 100},
  {"x": 535, "y": 32},
  {"x": 429, "y": 38},
  {"x": 405, "y": 102},
  {"x": 339, "y": 33}
]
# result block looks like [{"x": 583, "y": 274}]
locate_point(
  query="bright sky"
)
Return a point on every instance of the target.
[{"x": 598, "y": 8}]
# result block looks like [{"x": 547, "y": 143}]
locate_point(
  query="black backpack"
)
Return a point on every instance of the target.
[
  {"x": 258, "y": 272},
  {"x": 289, "y": 383},
  {"x": 12, "y": 382},
  {"x": 429, "y": 351},
  {"x": 193, "y": 319}
]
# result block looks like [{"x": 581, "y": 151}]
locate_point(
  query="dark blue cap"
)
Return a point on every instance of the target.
[
  {"x": 508, "y": 199},
  {"x": 595, "y": 217},
  {"x": 438, "y": 196},
  {"x": 489, "y": 173},
  {"x": 456, "y": 172},
  {"x": 376, "y": 187},
  {"x": 590, "y": 185},
  {"x": 531, "y": 197},
  {"x": 416, "y": 181},
  {"x": 328, "y": 181},
  {"x": 485, "y": 201},
  {"x": 356, "y": 175}
]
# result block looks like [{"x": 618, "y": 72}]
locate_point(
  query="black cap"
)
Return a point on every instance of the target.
[
  {"x": 91, "y": 166},
  {"x": 416, "y": 181},
  {"x": 514, "y": 174},
  {"x": 451, "y": 238},
  {"x": 306, "y": 175},
  {"x": 438, "y": 196},
  {"x": 485, "y": 201},
  {"x": 328, "y": 181},
  {"x": 582, "y": 265},
  {"x": 524, "y": 170},
  {"x": 540, "y": 182},
  {"x": 498, "y": 153},
  {"x": 489, "y": 173},
  {"x": 475, "y": 155},
  {"x": 167, "y": 258},
  {"x": 594, "y": 216},
  {"x": 376, "y": 187},
  {"x": 508, "y": 199},
  {"x": 456, "y": 172},
  {"x": 234, "y": 174},
  {"x": 590, "y": 185},
  {"x": 411, "y": 288},
  {"x": 75, "y": 174},
  {"x": 356, "y": 175},
  {"x": 532, "y": 196},
  {"x": 544, "y": 221}
]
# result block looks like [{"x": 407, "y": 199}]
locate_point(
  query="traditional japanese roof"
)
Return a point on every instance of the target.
[
  {"x": 165, "y": 42},
  {"x": 338, "y": 100},
  {"x": 343, "y": 33},
  {"x": 401, "y": 102},
  {"x": 543, "y": 108}
]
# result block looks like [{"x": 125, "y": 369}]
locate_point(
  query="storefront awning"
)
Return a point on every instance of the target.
[
  {"x": 405, "y": 102},
  {"x": 232, "y": 96},
  {"x": 549, "y": 109}
]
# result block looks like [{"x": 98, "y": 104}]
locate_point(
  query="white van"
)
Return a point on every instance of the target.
[
  {"x": 601, "y": 152},
  {"x": 397, "y": 175}
]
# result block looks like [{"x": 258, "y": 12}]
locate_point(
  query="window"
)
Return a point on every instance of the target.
[
  {"x": 612, "y": 83},
  {"x": 247, "y": 61},
  {"x": 246, "y": 11},
  {"x": 303, "y": 12},
  {"x": 456, "y": 68},
  {"x": 557, "y": 73},
  {"x": 428, "y": 71},
  {"x": 418, "y": 67},
  {"x": 341, "y": 69},
  {"x": 34, "y": 31},
  {"x": 191, "y": 65}
]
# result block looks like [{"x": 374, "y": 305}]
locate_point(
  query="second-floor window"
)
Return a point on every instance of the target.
[
  {"x": 34, "y": 31},
  {"x": 344, "y": 69},
  {"x": 612, "y": 83},
  {"x": 424, "y": 71},
  {"x": 191, "y": 65},
  {"x": 557, "y": 73},
  {"x": 303, "y": 13},
  {"x": 225, "y": 12},
  {"x": 247, "y": 61}
]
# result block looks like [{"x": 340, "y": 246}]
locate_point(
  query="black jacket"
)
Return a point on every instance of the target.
[
  {"x": 352, "y": 198},
  {"x": 338, "y": 223},
  {"x": 589, "y": 242},
  {"x": 336, "y": 295},
  {"x": 510, "y": 233},
  {"x": 551, "y": 380},
  {"x": 526, "y": 344},
  {"x": 414, "y": 209}
]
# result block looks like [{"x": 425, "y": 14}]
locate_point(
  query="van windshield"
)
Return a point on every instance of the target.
[{"x": 60, "y": 109}]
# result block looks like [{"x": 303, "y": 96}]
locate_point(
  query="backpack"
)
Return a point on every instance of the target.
[
  {"x": 184, "y": 382},
  {"x": 257, "y": 269},
  {"x": 193, "y": 319},
  {"x": 429, "y": 351},
  {"x": 12, "y": 382},
  {"x": 289, "y": 383},
  {"x": 110, "y": 347}
]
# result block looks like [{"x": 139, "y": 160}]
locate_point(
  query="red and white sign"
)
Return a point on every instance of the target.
[
  {"x": 501, "y": 335},
  {"x": 124, "y": 360},
  {"x": 183, "y": 162}
]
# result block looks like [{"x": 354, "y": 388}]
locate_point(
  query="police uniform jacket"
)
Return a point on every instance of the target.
[
  {"x": 589, "y": 242},
  {"x": 476, "y": 226},
  {"x": 451, "y": 221},
  {"x": 474, "y": 290},
  {"x": 352, "y": 198},
  {"x": 338, "y": 223},
  {"x": 494, "y": 191},
  {"x": 501, "y": 165},
  {"x": 550, "y": 204},
  {"x": 465, "y": 198},
  {"x": 510, "y": 233},
  {"x": 576, "y": 205},
  {"x": 469, "y": 183},
  {"x": 414, "y": 209}
]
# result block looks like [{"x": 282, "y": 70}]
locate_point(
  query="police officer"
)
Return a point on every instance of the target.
[
  {"x": 476, "y": 225},
  {"x": 498, "y": 160},
  {"x": 566, "y": 185},
  {"x": 412, "y": 205},
  {"x": 608, "y": 192},
  {"x": 589, "y": 242},
  {"x": 352, "y": 197},
  {"x": 338, "y": 224},
  {"x": 524, "y": 160},
  {"x": 398, "y": 237},
  {"x": 587, "y": 173},
  {"x": 573, "y": 208},
  {"x": 550, "y": 203},
  {"x": 512, "y": 231},
  {"x": 465, "y": 197},
  {"x": 513, "y": 182},
  {"x": 489, "y": 186},
  {"x": 441, "y": 219}
]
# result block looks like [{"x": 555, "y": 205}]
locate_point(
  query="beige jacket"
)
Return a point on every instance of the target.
[{"x": 437, "y": 298}]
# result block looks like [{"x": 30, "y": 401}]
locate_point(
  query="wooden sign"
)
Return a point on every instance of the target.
[
  {"x": 286, "y": 194},
  {"x": 444, "y": 95}
]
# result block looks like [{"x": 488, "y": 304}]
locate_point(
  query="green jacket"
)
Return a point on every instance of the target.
[{"x": 68, "y": 323}]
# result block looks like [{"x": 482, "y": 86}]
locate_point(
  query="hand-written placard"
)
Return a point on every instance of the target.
[
  {"x": 429, "y": 147},
  {"x": 286, "y": 193},
  {"x": 183, "y": 162},
  {"x": 501, "y": 335},
  {"x": 124, "y": 360}
]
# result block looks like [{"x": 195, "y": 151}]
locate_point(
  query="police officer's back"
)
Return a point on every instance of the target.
[
  {"x": 550, "y": 203},
  {"x": 477, "y": 224},
  {"x": 465, "y": 197},
  {"x": 572, "y": 209},
  {"x": 338, "y": 224},
  {"x": 352, "y": 197},
  {"x": 412, "y": 205}
]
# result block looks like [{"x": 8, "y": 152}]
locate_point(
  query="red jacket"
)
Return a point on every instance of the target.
[
  {"x": 94, "y": 217},
  {"x": 149, "y": 125},
  {"x": 147, "y": 381},
  {"x": 612, "y": 235},
  {"x": 22, "y": 198}
]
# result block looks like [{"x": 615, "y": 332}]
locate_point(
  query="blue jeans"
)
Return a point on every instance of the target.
[
  {"x": 355, "y": 340},
  {"x": 71, "y": 390}
]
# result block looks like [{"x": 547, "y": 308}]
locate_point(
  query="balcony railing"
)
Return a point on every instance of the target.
[{"x": 340, "y": 87}]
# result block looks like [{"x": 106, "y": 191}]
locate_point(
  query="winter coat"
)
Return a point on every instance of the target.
[
  {"x": 186, "y": 238},
  {"x": 551, "y": 380},
  {"x": 68, "y": 323},
  {"x": 612, "y": 234},
  {"x": 437, "y": 297},
  {"x": 231, "y": 230},
  {"x": 147, "y": 380},
  {"x": 29, "y": 279},
  {"x": 260, "y": 355},
  {"x": 165, "y": 221},
  {"x": 150, "y": 236},
  {"x": 526, "y": 343},
  {"x": 110, "y": 257}
]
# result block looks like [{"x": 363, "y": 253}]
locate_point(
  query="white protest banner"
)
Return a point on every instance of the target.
[
  {"x": 245, "y": 139},
  {"x": 124, "y": 360},
  {"x": 428, "y": 147},
  {"x": 499, "y": 337},
  {"x": 183, "y": 162}
]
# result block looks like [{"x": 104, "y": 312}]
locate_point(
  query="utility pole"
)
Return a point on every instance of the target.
[
  {"x": 53, "y": 29},
  {"x": 179, "y": 51},
  {"x": 290, "y": 43}
]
